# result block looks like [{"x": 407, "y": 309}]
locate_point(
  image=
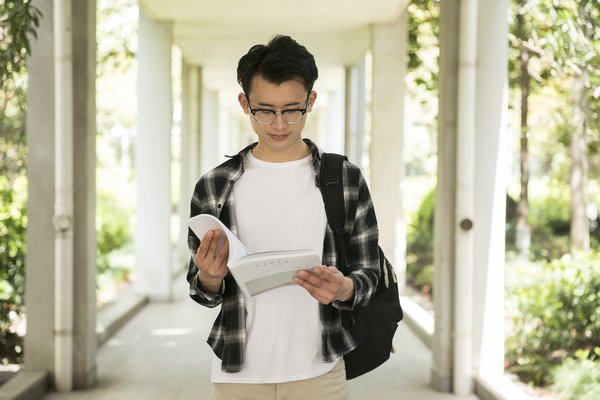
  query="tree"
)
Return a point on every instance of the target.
[
  {"x": 19, "y": 19},
  {"x": 574, "y": 41},
  {"x": 423, "y": 28},
  {"x": 520, "y": 40}
]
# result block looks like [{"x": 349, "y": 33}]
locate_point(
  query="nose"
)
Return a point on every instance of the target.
[{"x": 279, "y": 123}]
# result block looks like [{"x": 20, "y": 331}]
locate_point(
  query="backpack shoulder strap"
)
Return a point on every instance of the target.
[{"x": 332, "y": 189}]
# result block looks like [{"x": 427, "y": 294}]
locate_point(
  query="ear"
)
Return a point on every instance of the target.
[
  {"x": 243, "y": 102},
  {"x": 311, "y": 100}
]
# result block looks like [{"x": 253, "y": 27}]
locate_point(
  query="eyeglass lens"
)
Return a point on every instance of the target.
[{"x": 268, "y": 116}]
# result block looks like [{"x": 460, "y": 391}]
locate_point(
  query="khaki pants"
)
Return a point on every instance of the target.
[{"x": 330, "y": 386}]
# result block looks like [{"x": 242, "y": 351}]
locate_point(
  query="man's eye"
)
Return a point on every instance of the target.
[{"x": 265, "y": 113}]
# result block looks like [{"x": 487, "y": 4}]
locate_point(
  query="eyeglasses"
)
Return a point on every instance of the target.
[{"x": 266, "y": 116}]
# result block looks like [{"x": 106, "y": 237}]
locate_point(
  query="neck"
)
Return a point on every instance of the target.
[{"x": 293, "y": 153}]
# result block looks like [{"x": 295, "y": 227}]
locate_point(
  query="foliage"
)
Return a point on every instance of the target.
[
  {"x": 555, "y": 311},
  {"x": 526, "y": 36},
  {"x": 422, "y": 84},
  {"x": 18, "y": 19},
  {"x": 550, "y": 220},
  {"x": 112, "y": 225},
  {"x": 579, "y": 378},
  {"x": 419, "y": 244},
  {"x": 116, "y": 38},
  {"x": 115, "y": 30},
  {"x": 12, "y": 268},
  {"x": 573, "y": 40},
  {"x": 423, "y": 30},
  {"x": 115, "y": 120}
]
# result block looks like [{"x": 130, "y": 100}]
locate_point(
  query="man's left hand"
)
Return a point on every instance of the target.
[{"x": 327, "y": 284}]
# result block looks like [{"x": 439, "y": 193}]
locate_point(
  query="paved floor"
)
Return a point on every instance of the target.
[{"x": 161, "y": 354}]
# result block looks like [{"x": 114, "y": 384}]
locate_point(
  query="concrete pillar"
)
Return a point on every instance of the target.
[
  {"x": 84, "y": 245},
  {"x": 355, "y": 112},
  {"x": 445, "y": 204},
  {"x": 386, "y": 160},
  {"x": 209, "y": 142},
  {"x": 190, "y": 149},
  {"x": 153, "y": 160},
  {"x": 183, "y": 207},
  {"x": 334, "y": 138},
  {"x": 196, "y": 117},
  {"x": 40, "y": 302},
  {"x": 490, "y": 194}
]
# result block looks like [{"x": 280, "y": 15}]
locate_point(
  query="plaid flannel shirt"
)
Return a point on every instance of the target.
[{"x": 213, "y": 195}]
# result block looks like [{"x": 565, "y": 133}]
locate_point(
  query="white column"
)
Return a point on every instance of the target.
[
  {"x": 386, "y": 160},
  {"x": 490, "y": 194},
  {"x": 209, "y": 123},
  {"x": 183, "y": 208},
  {"x": 441, "y": 373},
  {"x": 84, "y": 178},
  {"x": 196, "y": 117},
  {"x": 190, "y": 150},
  {"x": 153, "y": 160},
  {"x": 465, "y": 199},
  {"x": 355, "y": 112},
  {"x": 487, "y": 352},
  {"x": 335, "y": 121},
  {"x": 40, "y": 293}
]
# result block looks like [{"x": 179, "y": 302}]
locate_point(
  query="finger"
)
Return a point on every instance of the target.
[
  {"x": 325, "y": 272},
  {"x": 311, "y": 278},
  {"x": 205, "y": 244},
  {"x": 214, "y": 244},
  {"x": 222, "y": 270},
  {"x": 316, "y": 292},
  {"x": 317, "y": 286},
  {"x": 223, "y": 254}
]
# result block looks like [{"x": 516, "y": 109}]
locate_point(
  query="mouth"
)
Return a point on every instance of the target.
[{"x": 278, "y": 137}]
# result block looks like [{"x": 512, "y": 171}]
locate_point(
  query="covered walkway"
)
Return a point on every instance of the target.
[
  {"x": 162, "y": 354},
  {"x": 359, "y": 46}
]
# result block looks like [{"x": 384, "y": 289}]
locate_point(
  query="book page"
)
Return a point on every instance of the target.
[{"x": 202, "y": 223}]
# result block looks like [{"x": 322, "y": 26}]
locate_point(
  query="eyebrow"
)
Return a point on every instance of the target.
[{"x": 285, "y": 105}]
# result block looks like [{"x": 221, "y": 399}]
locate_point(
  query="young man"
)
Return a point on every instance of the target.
[{"x": 288, "y": 342}]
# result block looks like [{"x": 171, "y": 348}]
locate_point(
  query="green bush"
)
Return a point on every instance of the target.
[
  {"x": 113, "y": 233},
  {"x": 555, "y": 311},
  {"x": 579, "y": 378},
  {"x": 13, "y": 221},
  {"x": 550, "y": 219},
  {"x": 419, "y": 245}
]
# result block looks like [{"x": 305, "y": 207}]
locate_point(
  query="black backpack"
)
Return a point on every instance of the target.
[{"x": 375, "y": 323}]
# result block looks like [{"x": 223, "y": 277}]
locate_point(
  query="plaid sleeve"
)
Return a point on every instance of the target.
[
  {"x": 202, "y": 191},
  {"x": 210, "y": 196},
  {"x": 361, "y": 224}
]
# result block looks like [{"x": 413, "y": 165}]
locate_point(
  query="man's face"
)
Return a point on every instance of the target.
[{"x": 279, "y": 140}]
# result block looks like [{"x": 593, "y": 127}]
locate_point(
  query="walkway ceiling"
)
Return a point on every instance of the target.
[{"x": 216, "y": 33}]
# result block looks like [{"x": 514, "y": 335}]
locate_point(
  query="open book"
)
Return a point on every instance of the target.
[{"x": 258, "y": 272}]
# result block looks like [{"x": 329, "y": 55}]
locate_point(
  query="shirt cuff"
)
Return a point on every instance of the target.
[{"x": 208, "y": 297}]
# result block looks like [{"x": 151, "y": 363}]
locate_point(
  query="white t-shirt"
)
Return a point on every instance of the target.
[{"x": 278, "y": 207}]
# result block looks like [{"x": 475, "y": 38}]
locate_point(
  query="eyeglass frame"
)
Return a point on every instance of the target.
[{"x": 282, "y": 112}]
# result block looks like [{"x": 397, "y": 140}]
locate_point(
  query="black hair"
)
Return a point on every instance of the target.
[{"x": 282, "y": 59}]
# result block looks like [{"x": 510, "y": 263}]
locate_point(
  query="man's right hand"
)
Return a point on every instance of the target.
[{"x": 212, "y": 267}]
